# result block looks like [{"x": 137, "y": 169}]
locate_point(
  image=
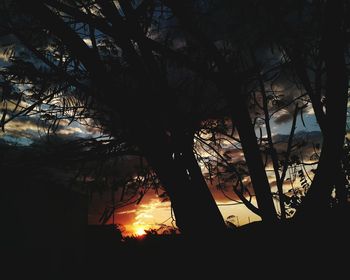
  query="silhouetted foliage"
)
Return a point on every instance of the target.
[{"x": 195, "y": 91}]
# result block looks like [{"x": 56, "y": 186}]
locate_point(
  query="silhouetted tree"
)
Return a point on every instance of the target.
[
  {"x": 310, "y": 53},
  {"x": 156, "y": 74},
  {"x": 129, "y": 89},
  {"x": 336, "y": 95}
]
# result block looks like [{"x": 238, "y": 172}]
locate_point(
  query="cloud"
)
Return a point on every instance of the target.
[
  {"x": 146, "y": 215},
  {"x": 127, "y": 212},
  {"x": 283, "y": 116},
  {"x": 21, "y": 128},
  {"x": 3, "y": 57},
  {"x": 70, "y": 130},
  {"x": 304, "y": 143},
  {"x": 90, "y": 127},
  {"x": 28, "y": 129},
  {"x": 7, "y": 42},
  {"x": 88, "y": 42}
]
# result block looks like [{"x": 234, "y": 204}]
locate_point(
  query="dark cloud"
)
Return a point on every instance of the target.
[
  {"x": 283, "y": 117},
  {"x": 304, "y": 143}
]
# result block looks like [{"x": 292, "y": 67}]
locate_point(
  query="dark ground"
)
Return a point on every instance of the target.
[
  {"x": 278, "y": 252},
  {"x": 44, "y": 234}
]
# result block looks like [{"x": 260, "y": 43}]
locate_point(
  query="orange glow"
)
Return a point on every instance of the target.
[
  {"x": 152, "y": 214},
  {"x": 140, "y": 231}
]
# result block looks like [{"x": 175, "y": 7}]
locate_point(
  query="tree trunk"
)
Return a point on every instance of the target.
[
  {"x": 194, "y": 207},
  {"x": 254, "y": 161},
  {"x": 317, "y": 198}
]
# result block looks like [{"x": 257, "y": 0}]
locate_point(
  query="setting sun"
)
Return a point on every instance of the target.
[{"x": 140, "y": 231}]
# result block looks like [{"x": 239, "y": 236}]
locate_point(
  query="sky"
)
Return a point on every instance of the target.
[{"x": 151, "y": 212}]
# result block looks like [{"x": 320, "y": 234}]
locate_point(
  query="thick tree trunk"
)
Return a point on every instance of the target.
[
  {"x": 317, "y": 199},
  {"x": 315, "y": 97},
  {"x": 194, "y": 207},
  {"x": 254, "y": 161},
  {"x": 298, "y": 61}
]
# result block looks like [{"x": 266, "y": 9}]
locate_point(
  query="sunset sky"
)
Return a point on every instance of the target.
[
  {"x": 155, "y": 136},
  {"x": 150, "y": 212}
]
